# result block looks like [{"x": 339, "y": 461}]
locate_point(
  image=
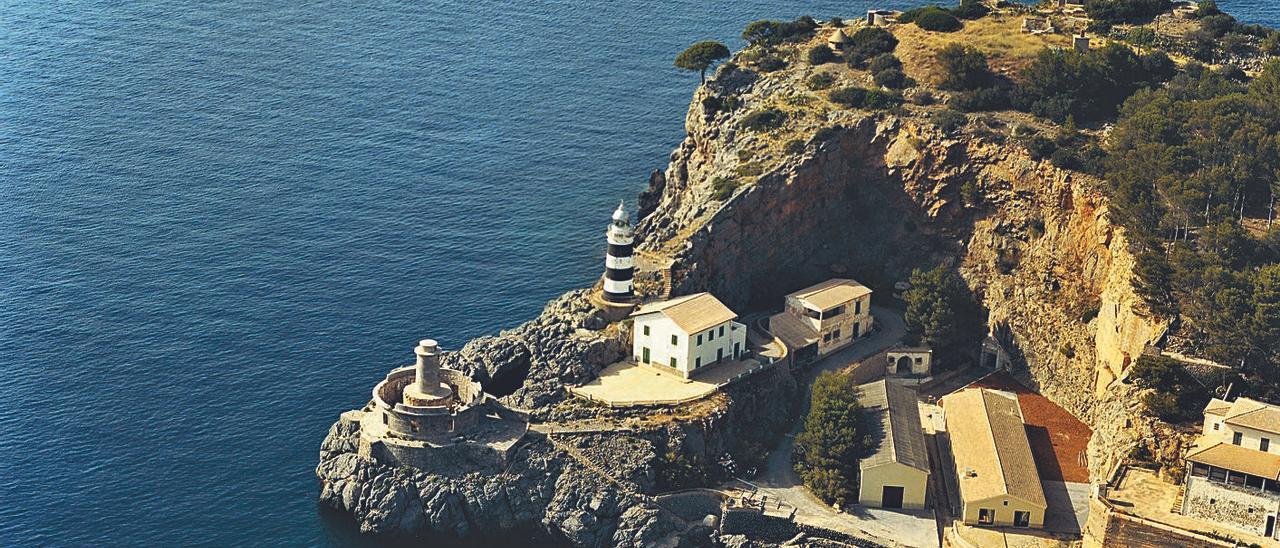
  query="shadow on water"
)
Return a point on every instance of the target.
[{"x": 341, "y": 530}]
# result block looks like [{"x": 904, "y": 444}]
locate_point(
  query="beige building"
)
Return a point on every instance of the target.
[
  {"x": 896, "y": 475},
  {"x": 820, "y": 319},
  {"x": 687, "y": 334},
  {"x": 999, "y": 483},
  {"x": 1233, "y": 471}
]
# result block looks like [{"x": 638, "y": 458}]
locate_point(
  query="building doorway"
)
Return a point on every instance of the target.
[
  {"x": 904, "y": 365},
  {"x": 644, "y": 355},
  {"x": 719, "y": 354},
  {"x": 736, "y": 350},
  {"x": 986, "y": 516},
  {"x": 891, "y": 497},
  {"x": 1021, "y": 519},
  {"x": 1271, "y": 527}
]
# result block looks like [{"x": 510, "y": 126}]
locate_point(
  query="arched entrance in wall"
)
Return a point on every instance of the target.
[{"x": 904, "y": 364}]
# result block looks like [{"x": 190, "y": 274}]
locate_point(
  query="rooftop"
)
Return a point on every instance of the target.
[
  {"x": 989, "y": 439},
  {"x": 1252, "y": 414},
  {"x": 897, "y": 410},
  {"x": 831, "y": 293},
  {"x": 1237, "y": 459},
  {"x": 692, "y": 313}
]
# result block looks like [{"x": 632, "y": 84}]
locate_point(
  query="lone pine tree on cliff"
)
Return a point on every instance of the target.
[{"x": 700, "y": 56}]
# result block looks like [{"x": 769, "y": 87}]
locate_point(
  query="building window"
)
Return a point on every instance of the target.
[
  {"x": 711, "y": 335},
  {"x": 986, "y": 516},
  {"x": 674, "y": 341},
  {"x": 384, "y": 418},
  {"x": 722, "y": 331},
  {"x": 1264, "y": 445},
  {"x": 1216, "y": 425},
  {"x": 857, "y": 307},
  {"x": 1235, "y": 478},
  {"x": 1236, "y": 438},
  {"x": 699, "y": 339},
  {"x": 673, "y": 363},
  {"x": 836, "y": 335},
  {"x": 1253, "y": 481},
  {"x": 833, "y": 312},
  {"x": 1217, "y": 474},
  {"x": 697, "y": 363},
  {"x": 646, "y": 331}
]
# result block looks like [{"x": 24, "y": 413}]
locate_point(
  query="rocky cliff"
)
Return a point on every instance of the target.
[{"x": 749, "y": 216}]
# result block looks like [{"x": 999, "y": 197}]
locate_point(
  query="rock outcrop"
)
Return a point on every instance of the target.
[{"x": 867, "y": 195}]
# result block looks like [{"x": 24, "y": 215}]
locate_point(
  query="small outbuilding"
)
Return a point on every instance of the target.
[
  {"x": 838, "y": 41},
  {"x": 915, "y": 361},
  {"x": 999, "y": 482},
  {"x": 896, "y": 475}
]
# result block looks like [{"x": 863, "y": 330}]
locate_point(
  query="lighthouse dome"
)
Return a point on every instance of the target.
[{"x": 620, "y": 215}]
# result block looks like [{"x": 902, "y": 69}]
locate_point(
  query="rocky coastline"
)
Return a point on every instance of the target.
[{"x": 871, "y": 195}]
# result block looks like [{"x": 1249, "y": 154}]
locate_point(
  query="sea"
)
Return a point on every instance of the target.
[{"x": 222, "y": 222}]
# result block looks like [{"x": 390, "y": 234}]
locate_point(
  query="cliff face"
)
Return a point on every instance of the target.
[
  {"x": 852, "y": 193},
  {"x": 879, "y": 194}
]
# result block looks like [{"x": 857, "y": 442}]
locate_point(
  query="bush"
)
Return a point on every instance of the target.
[
  {"x": 1218, "y": 25},
  {"x": 1118, "y": 11},
  {"x": 855, "y": 97},
  {"x": 715, "y": 103},
  {"x": 794, "y": 146},
  {"x": 821, "y": 80},
  {"x": 963, "y": 68},
  {"x": 868, "y": 42},
  {"x": 771, "y": 63},
  {"x": 775, "y": 32},
  {"x": 970, "y": 9},
  {"x": 949, "y": 120},
  {"x": 980, "y": 100},
  {"x": 884, "y": 62},
  {"x": 970, "y": 194},
  {"x": 723, "y": 187},
  {"x": 937, "y": 19},
  {"x": 763, "y": 120},
  {"x": 892, "y": 79},
  {"x": 821, "y": 54},
  {"x": 1040, "y": 147},
  {"x": 837, "y": 22}
]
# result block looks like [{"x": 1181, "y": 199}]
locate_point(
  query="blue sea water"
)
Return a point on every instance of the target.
[{"x": 222, "y": 222}]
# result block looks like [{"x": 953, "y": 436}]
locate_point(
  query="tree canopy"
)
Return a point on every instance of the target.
[
  {"x": 700, "y": 56},
  {"x": 939, "y": 306},
  {"x": 963, "y": 68},
  {"x": 833, "y": 439}
]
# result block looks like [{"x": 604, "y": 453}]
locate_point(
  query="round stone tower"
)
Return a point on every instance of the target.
[
  {"x": 619, "y": 265},
  {"x": 427, "y": 389}
]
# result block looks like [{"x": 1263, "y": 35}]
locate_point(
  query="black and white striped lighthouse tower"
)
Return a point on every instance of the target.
[{"x": 619, "y": 266}]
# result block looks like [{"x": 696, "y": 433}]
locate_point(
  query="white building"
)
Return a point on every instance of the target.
[
  {"x": 687, "y": 334},
  {"x": 822, "y": 318},
  {"x": 1233, "y": 471}
]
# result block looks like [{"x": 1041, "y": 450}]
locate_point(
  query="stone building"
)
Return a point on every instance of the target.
[
  {"x": 687, "y": 334},
  {"x": 896, "y": 474},
  {"x": 914, "y": 361},
  {"x": 420, "y": 413},
  {"x": 838, "y": 41},
  {"x": 999, "y": 483},
  {"x": 823, "y": 318},
  {"x": 1233, "y": 471}
]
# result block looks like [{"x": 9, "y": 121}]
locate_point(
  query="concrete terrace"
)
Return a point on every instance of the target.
[
  {"x": 1140, "y": 493},
  {"x": 626, "y": 384}
]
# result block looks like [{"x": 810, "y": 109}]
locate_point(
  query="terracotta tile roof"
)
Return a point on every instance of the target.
[
  {"x": 692, "y": 313},
  {"x": 896, "y": 410},
  {"x": 1254, "y": 414},
  {"x": 831, "y": 293},
  {"x": 988, "y": 437},
  {"x": 1237, "y": 459}
]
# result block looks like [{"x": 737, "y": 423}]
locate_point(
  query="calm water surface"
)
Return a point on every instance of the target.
[{"x": 222, "y": 222}]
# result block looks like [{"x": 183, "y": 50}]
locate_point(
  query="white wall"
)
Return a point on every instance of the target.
[
  {"x": 1249, "y": 438},
  {"x": 686, "y": 351}
]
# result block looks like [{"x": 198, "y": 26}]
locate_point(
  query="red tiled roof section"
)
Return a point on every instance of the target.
[{"x": 1059, "y": 441}]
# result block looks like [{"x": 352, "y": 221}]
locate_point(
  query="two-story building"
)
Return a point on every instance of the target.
[
  {"x": 685, "y": 335},
  {"x": 822, "y": 318},
  {"x": 1233, "y": 471}
]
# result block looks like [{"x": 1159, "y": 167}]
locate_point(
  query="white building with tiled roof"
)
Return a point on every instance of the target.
[
  {"x": 687, "y": 334},
  {"x": 999, "y": 483},
  {"x": 1233, "y": 470},
  {"x": 896, "y": 474}
]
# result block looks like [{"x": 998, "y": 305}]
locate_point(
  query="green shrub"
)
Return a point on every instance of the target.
[
  {"x": 936, "y": 19},
  {"x": 775, "y": 32},
  {"x": 884, "y": 62},
  {"x": 970, "y": 194},
  {"x": 970, "y": 9},
  {"x": 715, "y": 103},
  {"x": 821, "y": 55},
  {"x": 750, "y": 169},
  {"x": 870, "y": 99},
  {"x": 949, "y": 120},
  {"x": 821, "y": 80},
  {"x": 892, "y": 78},
  {"x": 980, "y": 100},
  {"x": 963, "y": 68},
  {"x": 771, "y": 63},
  {"x": 1040, "y": 147},
  {"x": 722, "y": 187},
  {"x": 794, "y": 146},
  {"x": 837, "y": 22},
  {"x": 868, "y": 42},
  {"x": 763, "y": 120}
]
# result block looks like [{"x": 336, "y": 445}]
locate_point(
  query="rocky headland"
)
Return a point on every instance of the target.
[{"x": 865, "y": 194}]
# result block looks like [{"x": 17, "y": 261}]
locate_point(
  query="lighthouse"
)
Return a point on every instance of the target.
[{"x": 619, "y": 266}]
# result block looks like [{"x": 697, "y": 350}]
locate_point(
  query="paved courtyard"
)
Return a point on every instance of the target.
[
  {"x": 1143, "y": 494},
  {"x": 631, "y": 383}
]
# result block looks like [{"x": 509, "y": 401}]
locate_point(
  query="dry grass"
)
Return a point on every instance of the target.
[{"x": 1000, "y": 37}]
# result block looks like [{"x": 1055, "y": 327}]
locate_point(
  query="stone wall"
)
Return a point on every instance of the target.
[{"x": 1238, "y": 507}]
